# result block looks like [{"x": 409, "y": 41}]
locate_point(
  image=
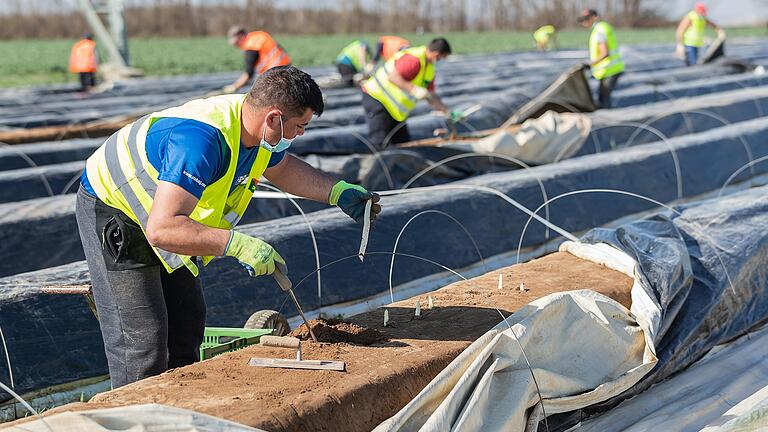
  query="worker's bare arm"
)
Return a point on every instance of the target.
[
  {"x": 294, "y": 176},
  {"x": 241, "y": 80},
  {"x": 437, "y": 103},
  {"x": 681, "y": 28},
  {"x": 169, "y": 226},
  {"x": 602, "y": 53}
]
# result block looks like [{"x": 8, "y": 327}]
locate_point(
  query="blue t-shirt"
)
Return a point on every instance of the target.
[{"x": 193, "y": 155}]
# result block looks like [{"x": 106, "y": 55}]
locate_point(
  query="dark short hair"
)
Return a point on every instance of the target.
[
  {"x": 587, "y": 14},
  {"x": 440, "y": 45},
  {"x": 287, "y": 88}
]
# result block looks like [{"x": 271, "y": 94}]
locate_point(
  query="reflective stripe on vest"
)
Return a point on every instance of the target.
[
  {"x": 611, "y": 65},
  {"x": 398, "y": 102},
  {"x": 694, "y": 35},
  {"x": 82, "y": 58},
  {"x": 123, "y": 178},
  {"x": 270, "y": 52},
  {"x": 139, "y": 211},
  {"x": 269, "y": 61}
]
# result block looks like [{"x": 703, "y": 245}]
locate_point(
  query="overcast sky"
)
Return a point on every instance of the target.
[{"x": 724, "y": 12}]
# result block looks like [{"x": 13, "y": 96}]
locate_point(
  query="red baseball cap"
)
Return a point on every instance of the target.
[{"x": 700, "y": 8}]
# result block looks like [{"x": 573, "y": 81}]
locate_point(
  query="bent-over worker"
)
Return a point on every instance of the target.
[
  {"x": 161, "y": 197},
  {"x": 396, "y": 86},
  {"x": 261, "y": 52}
]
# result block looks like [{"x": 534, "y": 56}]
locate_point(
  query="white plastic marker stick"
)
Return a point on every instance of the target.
[
  {"x": 500, "y": 281},
  {"x": 366, "y": 230},
  {"x": 430, "y": 302},
  {"x": 417, "y": 314},
  {"x": 386, "y": 317}
]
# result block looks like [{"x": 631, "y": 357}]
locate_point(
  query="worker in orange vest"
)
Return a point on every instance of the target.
[
  {"x": 389, "y": 46},
  {"x": 262, "y": 53},
  {"x": 83, "y": 61}
]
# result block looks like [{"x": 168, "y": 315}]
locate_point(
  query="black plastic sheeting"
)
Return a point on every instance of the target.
[
  {"x": 618, "y": 127},
  {"x": 647, "y": 93},
  {"x": 55, "y": 340},
  {"x": 707, "y": 271}
]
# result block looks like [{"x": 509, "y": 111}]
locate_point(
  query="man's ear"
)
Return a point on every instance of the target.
[{"x": 273, "y": 118}]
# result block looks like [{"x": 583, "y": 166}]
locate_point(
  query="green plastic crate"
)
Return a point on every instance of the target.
[{"x": 236, "y": 338}]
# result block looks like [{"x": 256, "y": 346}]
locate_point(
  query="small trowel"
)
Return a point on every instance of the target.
[{"x": 286, "y": 285}]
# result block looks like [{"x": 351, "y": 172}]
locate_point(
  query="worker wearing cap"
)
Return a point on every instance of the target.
[
  {"x": 690, "y": 33},
  {"x": 354, "y": 59},
  {"x": 604, "y": 58},
  {"x": 388, "y": 46},
  {"x": 543, "y": 36},
  {"x": 161, "y": 197},
  {"x": 395, "y": 88},
  {"x": 83, "y": 61},
  {"x": 262, "y": 53}
]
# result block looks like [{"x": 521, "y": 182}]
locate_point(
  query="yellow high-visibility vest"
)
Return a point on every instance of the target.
[
  {"x": 694, "y": 35},
  {"x": 611, "y": 65},
  {"x": 122, "y": 177},
  {"x": 398, "y": 102}
]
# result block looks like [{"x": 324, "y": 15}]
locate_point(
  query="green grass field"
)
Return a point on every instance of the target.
[{"x": 34, "y": 62}]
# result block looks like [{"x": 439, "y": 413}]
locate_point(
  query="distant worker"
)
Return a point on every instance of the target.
[
  {"x": 690, "y": 34},
  {"x": 83, "y": 61},
  {"x": 545, "y": 37},
  {"x": 354, "y": 59},
  {"x": 389, "y": 46},
  {"x": 604, "y": 58},
  {"x": 262, "y": 53},
  {"x": 161, "y": 197},
  {"x": 393, "y": 90}
]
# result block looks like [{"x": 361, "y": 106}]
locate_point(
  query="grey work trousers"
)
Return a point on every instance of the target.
[{"x": 150, "y": 320}]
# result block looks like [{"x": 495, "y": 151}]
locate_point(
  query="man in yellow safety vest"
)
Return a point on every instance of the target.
[
  {"x": 261, "y": 51},
  {"x": 161, "y": 197},
  {"x": 396, "y": 86},
  {"x": 543, "y": 36},
  {"x": 604, "y": 58},
  {"x": 690, "y": 34}
]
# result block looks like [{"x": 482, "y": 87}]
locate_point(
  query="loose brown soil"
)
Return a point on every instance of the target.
[
  {"x": 380, "y": 378},
  {"x": 335, "y": 331}
]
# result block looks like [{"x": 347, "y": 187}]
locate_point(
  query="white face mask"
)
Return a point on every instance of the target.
[{"x": 281, "y": 145}]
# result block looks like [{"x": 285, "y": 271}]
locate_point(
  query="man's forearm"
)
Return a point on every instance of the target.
[
  {"x": 241, "y": 80},
  {"x": 435, "y": 102},
  {"x": 297, "y": 177},
  {"x": 182, "y": 235}
]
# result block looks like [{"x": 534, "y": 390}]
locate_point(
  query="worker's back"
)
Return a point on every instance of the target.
[
  {"x": 271, "y": 54},
  {"x": 694, "y": 35},
  {"x": 82, "y": 58},
  {"x": 390, "y": 45}
]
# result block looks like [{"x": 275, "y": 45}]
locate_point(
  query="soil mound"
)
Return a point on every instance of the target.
[{"x": 336, "y": 331}]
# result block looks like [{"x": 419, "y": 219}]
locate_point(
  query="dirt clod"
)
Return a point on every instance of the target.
[{"x": 336, "y": 331}]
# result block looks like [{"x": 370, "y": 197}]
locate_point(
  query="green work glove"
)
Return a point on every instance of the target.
[
  {"x": 257, "y": 256},
  {"x": 457, "y": 116},
  {"x": 351, "y": 199}
]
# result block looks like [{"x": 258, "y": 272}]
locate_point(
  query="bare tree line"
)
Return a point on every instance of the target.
[{"x": 165, "y": 18}]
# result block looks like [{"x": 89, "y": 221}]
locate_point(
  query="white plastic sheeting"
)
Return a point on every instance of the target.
[
  {"x": 725, "y": 391},
  {"x": 538, "y": 141},
  {"x": 584, "y": 348},
  {"x": 135, "y": 418}
]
